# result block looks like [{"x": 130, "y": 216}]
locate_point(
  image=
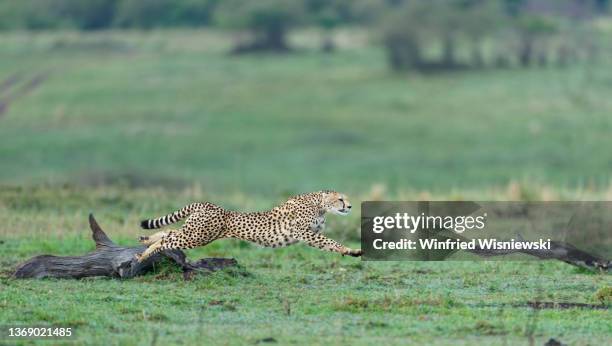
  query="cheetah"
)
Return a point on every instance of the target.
[{"x": 300, "y": 218}]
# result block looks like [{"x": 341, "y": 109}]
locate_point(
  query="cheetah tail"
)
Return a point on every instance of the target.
[{"x": 172, "y": 217}]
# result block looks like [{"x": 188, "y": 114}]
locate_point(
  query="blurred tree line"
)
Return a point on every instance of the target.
[
  {"x": 455, "y": 34},
  {"x": 104, "y": 14},
  {"x": 417, "y": 34}
]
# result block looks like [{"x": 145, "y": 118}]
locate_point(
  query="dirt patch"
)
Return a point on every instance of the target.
[
  {"x": 10, "y": 83},
  {"x": 562, "y": 306},
  {"x": 604, "y": 294},
  {"x": 488, "y": 328},
  {"x": 389, "y": 303},
  {"x": 34, "y": 83},
  {"x": 223, "y": 304},
  {"x": 99, "y": 45},
  {"x": 266, "y": 340}
]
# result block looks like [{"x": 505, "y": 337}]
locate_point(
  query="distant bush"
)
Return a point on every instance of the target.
[
  {"x": 268, "y": 22},
  {"x": 425, "y": 35},
  {"x": 410, "y": 30}
]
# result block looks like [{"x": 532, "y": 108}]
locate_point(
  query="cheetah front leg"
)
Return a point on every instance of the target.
[{"x": 320, "y": 241}]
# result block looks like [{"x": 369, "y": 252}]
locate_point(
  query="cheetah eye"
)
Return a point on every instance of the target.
[{"x": 341, "y": 199}]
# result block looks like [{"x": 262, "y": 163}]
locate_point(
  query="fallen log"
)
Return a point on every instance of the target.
[
  {"x": 112, "y": 260},
  {"x": 559, "y": 250}
]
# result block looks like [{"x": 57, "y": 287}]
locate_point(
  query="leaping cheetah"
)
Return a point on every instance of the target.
[{"x": 300, "y": 218}]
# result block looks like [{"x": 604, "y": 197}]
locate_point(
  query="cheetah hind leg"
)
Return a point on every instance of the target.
[
  {"x": 153, "y": 237},
  {"x": 153, "y": 248}
]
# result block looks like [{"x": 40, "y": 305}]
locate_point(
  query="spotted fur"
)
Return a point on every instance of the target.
[{"x": 300, "y": 218}]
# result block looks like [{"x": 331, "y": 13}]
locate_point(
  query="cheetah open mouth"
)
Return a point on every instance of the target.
[{"x": 343, "y": 211}]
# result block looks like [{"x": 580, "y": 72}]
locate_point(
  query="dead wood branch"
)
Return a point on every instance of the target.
[{"x": 112, "y": 260}]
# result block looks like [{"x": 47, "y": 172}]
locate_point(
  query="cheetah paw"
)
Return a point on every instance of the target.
[
  {"x": 143, "y": 239},
  {"x": 354, "y": 253}
]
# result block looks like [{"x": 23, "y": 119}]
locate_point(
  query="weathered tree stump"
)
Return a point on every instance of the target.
[{"x": 112, "y": 260}]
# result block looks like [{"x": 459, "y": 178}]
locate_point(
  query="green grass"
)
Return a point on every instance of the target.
[
  {"x": 296, "y": 295},
  {"x": 173, "y": 108}
]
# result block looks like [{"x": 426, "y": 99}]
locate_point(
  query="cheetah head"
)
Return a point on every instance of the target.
[{"x": 335, "y": 202}]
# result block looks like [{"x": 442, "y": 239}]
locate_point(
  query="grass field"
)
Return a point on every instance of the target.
[
  {"x": 130, "y": 125},
  {"x": 294, "y": 295},
  {"x": 172, "y": 108}
]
